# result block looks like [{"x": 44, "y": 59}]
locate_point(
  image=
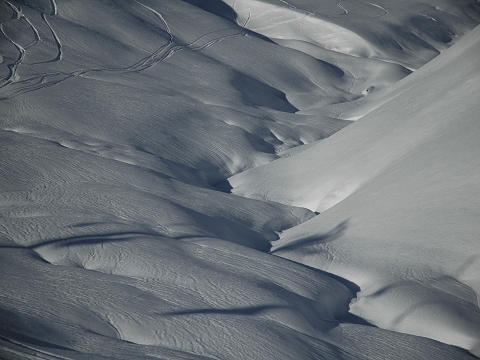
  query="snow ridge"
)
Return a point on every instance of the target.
[{"x": 125, "y": 127}]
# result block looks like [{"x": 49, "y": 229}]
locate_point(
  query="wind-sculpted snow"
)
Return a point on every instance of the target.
[
  {"x": 404, "y": 191},
  {"x": 409, "y": 33},
  {"x": 120, "y": 123}
]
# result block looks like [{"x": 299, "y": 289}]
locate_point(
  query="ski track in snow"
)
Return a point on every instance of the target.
[
  {"x": 345, "y": 11},
  {"x": 59, "y": 55},
  {"x": 14, "y": 67},
  {"x": 380, "y": 7},
  {"x": 43, "y": 80},
  {"x": 161, "y": 54}
]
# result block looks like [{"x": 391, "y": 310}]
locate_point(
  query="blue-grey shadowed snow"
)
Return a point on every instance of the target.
[
  {"x": 258, "y": 93},
  {"x": 224, "y": 186},
  {"x": 84, "y": 240},
  {"x": 333, "y": 234},
  {"x": 118, "y": 116},
  {"x": 250, "y": 310},
  {"x": 217, "y": 7},
  {"x": 12, "y": 325}
]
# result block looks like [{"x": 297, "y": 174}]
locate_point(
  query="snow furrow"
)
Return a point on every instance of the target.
[
  {"x": 54, "y": 7},
  {"x": 35, "y": 30},
  {"x": 59, "y": 55},
  {"x": 380, "y": 7},
  {"x": 162, "y": 19},
  {"x": 12, "y": 77},
  {"x": 157, "y": 172},
  {"x": 37, "y": 353},
  {"x": 345, "y": 11}
]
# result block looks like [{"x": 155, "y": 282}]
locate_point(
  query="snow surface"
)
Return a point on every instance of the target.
[
  {"x": 124, "y": 125},
  {"x": 398, "y": 196}
]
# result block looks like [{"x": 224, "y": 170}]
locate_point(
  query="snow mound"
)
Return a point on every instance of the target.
[
  {"x": 402, "y": 182},
  {"x": 120, "y": 122}
]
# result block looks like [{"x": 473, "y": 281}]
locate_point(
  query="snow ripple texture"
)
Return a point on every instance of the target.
[{"x": 163, "y": 166}]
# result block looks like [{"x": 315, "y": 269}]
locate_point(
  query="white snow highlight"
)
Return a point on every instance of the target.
[{"x": 163, "y": 165}]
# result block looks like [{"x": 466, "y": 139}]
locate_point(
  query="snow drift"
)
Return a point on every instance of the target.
[
  {"x": 121, "y": 121},
  {"x": 403, "y": 182}
]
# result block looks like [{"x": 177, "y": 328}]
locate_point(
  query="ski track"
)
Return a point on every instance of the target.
[
  {"x": 345, "y": 11},
  {"x": 248, "y": 19},
  {"x": 381, "y": 8},
  {"x": 59, "y": 55},
  {"x": 13, "y": 67},
  {"x": 41, "y": 81},
  {"x": 160, "y": 16},
  {"x": 37, "y": 34},
  {"x": 288, "y": 4},
  {"x": 54, "y": 7}
]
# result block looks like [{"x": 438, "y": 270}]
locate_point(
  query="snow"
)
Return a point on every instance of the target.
[
  {"x": 163, "y": 164},
  {"x": 405, "y": 188}
]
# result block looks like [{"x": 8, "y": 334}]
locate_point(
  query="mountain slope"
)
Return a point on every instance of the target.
[
  {"x": 119, "y": 123},
  {"x": 403, "y": 183}
]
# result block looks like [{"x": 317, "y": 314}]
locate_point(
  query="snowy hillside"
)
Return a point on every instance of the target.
[
  {"x": 125, "y": 125},
  {"x": 405, "y": 193}
]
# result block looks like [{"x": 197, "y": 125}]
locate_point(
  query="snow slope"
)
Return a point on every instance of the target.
[
  {"x": 409, "y": 33},
  {"x": 119, "y": 123},
  {"x": 403, "y": 183}
]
